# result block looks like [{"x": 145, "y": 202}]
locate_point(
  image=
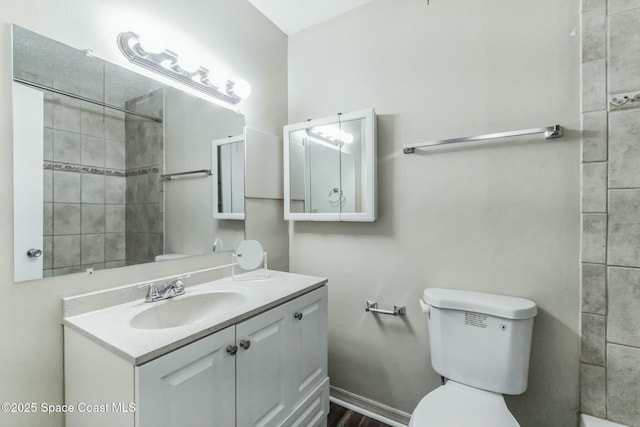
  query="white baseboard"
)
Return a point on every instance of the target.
[
  {"x": 369, "y": 408},
  {"x": 589, "y": 421}
]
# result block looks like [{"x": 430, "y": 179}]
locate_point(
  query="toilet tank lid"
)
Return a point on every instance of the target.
[
  {"x": 478, "y": 302},
  {"x": 166, "y": 257}
]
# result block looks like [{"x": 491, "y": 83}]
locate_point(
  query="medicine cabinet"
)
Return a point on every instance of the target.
[
  {"x": 228, "y": 172},
  {"x": 330, "y": 168}
]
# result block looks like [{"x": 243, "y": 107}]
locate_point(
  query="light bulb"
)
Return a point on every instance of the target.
[
  {"x": 242, "y": 88},
  {"x": 188, "y": 63},
  {"x": 332, "y": 132},
  {"x": 219, "y": 80},
  {"x": 134, "y": 43},
  {"x": 167, "y": 63},
  {"x": 347, "y": 138},
  {"x": 152, "y": 45}
]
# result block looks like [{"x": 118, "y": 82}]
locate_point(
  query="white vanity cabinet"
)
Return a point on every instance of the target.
[
  {"x": 192, "y": 386},
  {"x": 268, "y": 370},
  {"x": 281, "y": 361}
]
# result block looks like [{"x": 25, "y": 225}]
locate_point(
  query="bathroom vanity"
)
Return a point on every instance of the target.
[{"x": 224, "y": 354}]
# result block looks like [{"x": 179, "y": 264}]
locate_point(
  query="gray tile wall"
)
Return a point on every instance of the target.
[
  {"x": 144, "y": 216},
  {"x": 103, "y": 200},
  {"x": 610, "y": 374},
  {"x": 84, "y": 211}
]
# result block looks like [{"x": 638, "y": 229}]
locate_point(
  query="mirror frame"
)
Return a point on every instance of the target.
[
  {"x": 369, "y": 175},
  {"x": 215, "y": 172}
]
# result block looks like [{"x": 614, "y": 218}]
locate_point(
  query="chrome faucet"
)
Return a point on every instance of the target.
[{"x": 167, "y": 290}]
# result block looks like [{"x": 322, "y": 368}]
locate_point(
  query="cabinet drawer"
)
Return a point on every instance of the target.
[{"x": 313, "y": 411}]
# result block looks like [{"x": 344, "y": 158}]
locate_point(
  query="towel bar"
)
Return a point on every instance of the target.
[{"x": 398, "y": 310}]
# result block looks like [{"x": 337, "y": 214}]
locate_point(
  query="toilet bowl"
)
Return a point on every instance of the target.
[
  {"x": 481, "y": 343},
  {"x": 458, "y": 405}
]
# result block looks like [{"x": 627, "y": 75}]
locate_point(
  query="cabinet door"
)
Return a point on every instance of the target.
[
  {"x": 262, "y": 370},
  {"x": 330, "y": 168},
  {"x": 193, "y": 386},
  {"x": 308, "y": 315}
]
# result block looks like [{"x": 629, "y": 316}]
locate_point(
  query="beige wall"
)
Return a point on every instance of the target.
[
  {"x": 31, "y": 335},
  {"x": 500, "y": 217}
]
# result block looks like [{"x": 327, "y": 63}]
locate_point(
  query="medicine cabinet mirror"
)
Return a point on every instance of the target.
[
  {"x": 228, "y": 172},
  {"x": 91, "y": 143},
  {"x": 330, "y": 168}
]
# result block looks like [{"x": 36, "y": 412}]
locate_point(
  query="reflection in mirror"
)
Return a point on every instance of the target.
[
  {"x": 326, "y": 168},
  {"x": 107, "y": 135},
  {"x": 228, "y": 171},
  {"x": 331, "y": 168}
]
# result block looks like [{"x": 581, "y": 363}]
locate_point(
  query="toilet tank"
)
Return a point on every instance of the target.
[{"x": 481, "y": 340}]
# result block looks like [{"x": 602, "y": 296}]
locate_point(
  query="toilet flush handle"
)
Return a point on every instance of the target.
[{"x": 425, "y": 307}]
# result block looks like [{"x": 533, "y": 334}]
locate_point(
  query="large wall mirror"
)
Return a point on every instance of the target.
[{"x": 92, "y": 142}]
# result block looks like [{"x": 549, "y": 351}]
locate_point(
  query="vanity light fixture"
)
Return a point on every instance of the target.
[
  {"x": 325, "y": 142},
  {"x": 182, "y": 69},
  {"x": 332, "y": 134}
]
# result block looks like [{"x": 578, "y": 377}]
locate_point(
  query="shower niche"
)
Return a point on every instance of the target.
[{"x": 330, "y": 168}]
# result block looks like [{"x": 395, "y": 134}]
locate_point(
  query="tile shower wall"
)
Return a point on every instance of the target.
[
  {"x": 84, "y": 177},
  {"x": 610, "y": 378},
  {"x": 144, "y": 193}
]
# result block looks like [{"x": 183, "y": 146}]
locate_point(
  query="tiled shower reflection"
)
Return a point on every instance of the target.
[{"x": 103, "y": 199}]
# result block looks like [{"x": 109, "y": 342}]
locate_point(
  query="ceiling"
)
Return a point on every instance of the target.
[{"x": 292, "y": 16}]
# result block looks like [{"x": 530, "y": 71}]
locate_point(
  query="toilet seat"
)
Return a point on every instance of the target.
[{"x": 458, "y": 405}]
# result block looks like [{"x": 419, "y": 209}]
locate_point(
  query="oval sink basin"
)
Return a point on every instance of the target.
[{"x": 185, "y": 310}]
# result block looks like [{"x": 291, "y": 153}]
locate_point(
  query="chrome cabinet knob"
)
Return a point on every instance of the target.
[
  {"x": 298, "y": 316},
  {"x": 232, "y": 350},
  {"x": 34, "y": 253},
  {"x": 245, "y": 344}
]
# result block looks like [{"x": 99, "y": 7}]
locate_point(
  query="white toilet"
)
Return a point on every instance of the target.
[{"x": 481, "y": 344}]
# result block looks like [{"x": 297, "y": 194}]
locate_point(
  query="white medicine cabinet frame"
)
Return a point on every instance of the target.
[
  {"x": 330, "y": 168},
  {"x": 228, "y": 170}
]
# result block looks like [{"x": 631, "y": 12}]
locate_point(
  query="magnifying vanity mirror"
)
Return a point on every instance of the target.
[
  {"x": 330, "y": 168},
  {"x": 92, "y": 142}
]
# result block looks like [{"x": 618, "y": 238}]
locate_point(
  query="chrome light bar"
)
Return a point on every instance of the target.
[{"x": 166, "y": 64}]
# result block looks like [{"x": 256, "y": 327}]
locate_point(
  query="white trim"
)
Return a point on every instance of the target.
[
  {"x": 369, "y": 408},
  {"x": 28, "y": 184},
  {"x": 589, "y": 421}
]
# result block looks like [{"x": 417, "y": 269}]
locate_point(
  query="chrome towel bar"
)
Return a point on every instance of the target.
[
  {"x": 550, "y": 132},
  {"x": 398, "y": 310},
  {"x": 169, "y": 176}
]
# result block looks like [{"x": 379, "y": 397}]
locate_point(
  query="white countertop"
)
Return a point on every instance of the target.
[{"x": 110, "y": 326}]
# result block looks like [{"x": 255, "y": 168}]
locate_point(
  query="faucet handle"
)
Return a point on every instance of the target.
[
  {"x": 152, "y": 293},
  {"x": 179, "y": 284}
]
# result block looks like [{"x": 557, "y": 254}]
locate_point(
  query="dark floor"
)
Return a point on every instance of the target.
[{"x": 342, "y": 417}]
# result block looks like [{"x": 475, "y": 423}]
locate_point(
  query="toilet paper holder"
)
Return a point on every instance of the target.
[{"x": 398, "y": 310}]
